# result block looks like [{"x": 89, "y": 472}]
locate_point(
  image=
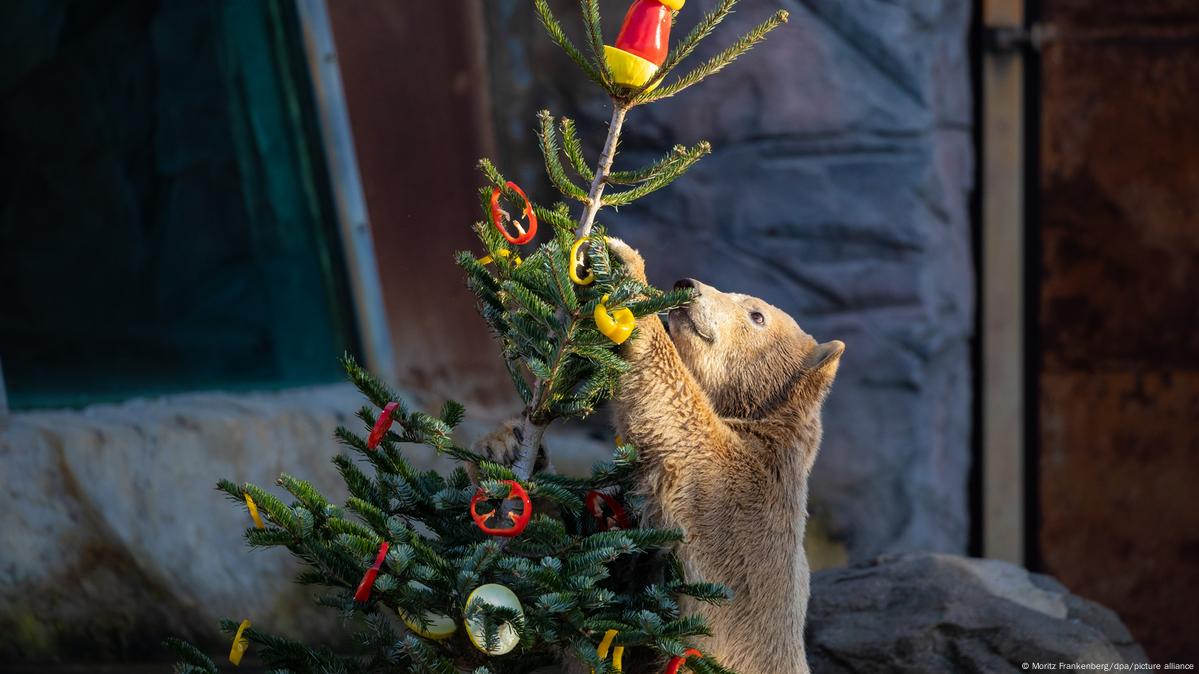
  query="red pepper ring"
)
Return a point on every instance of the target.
[
  {"x": 363, "y": 594},
  {"x": 519, "y": 522},
  {"x": 382, "y": 424},
  {"x": 497, "y": 213},
  {"x": 618, "y": 512},
  {"x": 677, "y": 661}
]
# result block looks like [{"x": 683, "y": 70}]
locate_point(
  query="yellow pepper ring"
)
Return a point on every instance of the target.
[
  {"x": 576, "y": 262},
  {"x": 616, "y": 326},
  {"x": 240, "y": 644},
  {"x": 617, "y": 655},
  {"x": 504, "y": 253},
  {"x": 253, "y": 508}
]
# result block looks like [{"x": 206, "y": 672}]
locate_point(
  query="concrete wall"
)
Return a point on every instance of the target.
[
  {"x": 837, "y": 189},
  {"x": 115, "y": 537}
]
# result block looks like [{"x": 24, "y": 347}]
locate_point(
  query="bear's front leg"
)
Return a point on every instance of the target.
[
  {"x": 660, "y": 407},
  {"x": 502, "y": 446}
]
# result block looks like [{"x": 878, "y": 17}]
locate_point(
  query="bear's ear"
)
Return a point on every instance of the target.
[
  {"x": 826, "y": 355},
  {"x": 807, "y": 385},
  {"x": 821, "y": 367}
]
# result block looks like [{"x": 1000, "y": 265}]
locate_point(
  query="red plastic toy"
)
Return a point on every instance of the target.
[{"x": 643, "y": 42}]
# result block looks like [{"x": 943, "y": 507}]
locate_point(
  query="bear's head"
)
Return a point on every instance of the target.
[{"x": 752, "y": 359}]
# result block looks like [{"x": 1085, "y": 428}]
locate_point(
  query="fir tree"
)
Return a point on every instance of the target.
[{"x": 576, "y": 581}]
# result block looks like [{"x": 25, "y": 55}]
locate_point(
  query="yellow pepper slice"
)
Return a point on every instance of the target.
[
  {"x": 604, "y": 645},
  {"x": 253, "y": 508},
  {"x": 240, "y": 644},
  {"x": 576, "y": 262},
  {"x": 616, "y": 326},
  {"x": 504, "y": 253}
]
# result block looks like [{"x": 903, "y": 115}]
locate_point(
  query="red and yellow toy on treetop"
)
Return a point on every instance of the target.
[{"x": 643, "y": 42}]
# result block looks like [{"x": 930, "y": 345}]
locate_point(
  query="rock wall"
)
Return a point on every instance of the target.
[
  {"x": 837, "y": 189},
  {"x": 115, "y": 537}
]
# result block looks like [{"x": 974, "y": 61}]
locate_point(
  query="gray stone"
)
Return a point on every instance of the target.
[
  {"x": 837, "y": 189},
  {"x": 943, "y": 613},
  {"x": 115, "y": 537}
]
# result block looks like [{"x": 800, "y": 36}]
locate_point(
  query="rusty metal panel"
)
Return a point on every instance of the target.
[
  {"x": 1119, "y": 379},
  {"x": 417, "y": 98}
]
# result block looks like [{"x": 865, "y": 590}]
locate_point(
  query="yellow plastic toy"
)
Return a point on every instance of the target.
[{"x": 643, "y": 42}]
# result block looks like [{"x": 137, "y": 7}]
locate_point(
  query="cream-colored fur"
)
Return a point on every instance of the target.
[
  {"x": 726, "y": 415},
  {"x": 725, "y": 411}
]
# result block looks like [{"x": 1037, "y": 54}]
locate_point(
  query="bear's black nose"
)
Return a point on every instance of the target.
[{"x": 684, "y": 283}]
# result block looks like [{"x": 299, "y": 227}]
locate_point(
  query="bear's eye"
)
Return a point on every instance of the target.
[{"x": 757, "y": 317}]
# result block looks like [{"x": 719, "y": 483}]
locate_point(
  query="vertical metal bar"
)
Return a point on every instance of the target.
[
  {"x": 353, "y": 220},
  {"x": 1003, "y": 255}
]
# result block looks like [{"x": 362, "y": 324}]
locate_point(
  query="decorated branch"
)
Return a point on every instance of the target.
[
  {"x": 633, "y": 71},
  {"x": 504, "y": 570}
]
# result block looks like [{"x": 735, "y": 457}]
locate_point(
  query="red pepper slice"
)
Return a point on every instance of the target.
[
  {"x": 618, "y": 516},
  {"x": 519, "y": 522},
  {"x": 381, "y": 425},
  {"x": 363, "y": 594},
  {"x": 677, "y": 661},
  {"x": 497, "y": 215}
]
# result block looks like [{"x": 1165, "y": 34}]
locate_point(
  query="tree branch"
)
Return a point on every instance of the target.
[
  {"x": 601, "y": 172},
  {"x": 532, "y": 431}
]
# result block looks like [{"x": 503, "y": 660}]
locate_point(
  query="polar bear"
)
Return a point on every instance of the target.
[{"x": 725, "y": 411}]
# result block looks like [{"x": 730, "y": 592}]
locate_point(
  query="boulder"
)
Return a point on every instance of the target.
[{"x": 923, "y": 613}]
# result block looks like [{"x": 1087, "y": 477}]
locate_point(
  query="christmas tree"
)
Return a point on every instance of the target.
[{"x": 512, "y": 571}]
